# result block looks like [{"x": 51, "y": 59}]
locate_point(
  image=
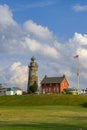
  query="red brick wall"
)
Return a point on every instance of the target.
[
  {"x": 54, "y": 88},
  {"x": 64, "y": 85},
  {"x": 47, "y": 88}
]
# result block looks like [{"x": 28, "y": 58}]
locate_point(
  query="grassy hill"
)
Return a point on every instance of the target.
[
  {"x": 35, "y": 100},
  {"x": 43, "y": 112}
]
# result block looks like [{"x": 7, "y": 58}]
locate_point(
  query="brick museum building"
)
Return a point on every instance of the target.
[{"x": 54, "y": 84}]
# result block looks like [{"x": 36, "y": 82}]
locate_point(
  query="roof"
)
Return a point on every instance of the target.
[
  {"x": 52, "y": 80},
  {"x": 13, "y": 89},
  {"x": 16, "y": 88},
  {"x": 9, "y": 89}
]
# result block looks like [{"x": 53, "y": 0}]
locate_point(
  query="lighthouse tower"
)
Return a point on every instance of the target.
[{"x": 33, "y": 75}]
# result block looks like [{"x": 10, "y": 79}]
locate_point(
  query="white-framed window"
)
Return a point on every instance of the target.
[
  {"x": 57, "y": 90},
  {"x": 54, "y": 89},
  {"x": 46, "y": 89},
  {"x": 49, "y": 89}
]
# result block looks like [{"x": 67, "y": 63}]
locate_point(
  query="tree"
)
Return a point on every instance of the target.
[
  {"x": 33, "y": 88},
  {"x": 1, "y": 86}
]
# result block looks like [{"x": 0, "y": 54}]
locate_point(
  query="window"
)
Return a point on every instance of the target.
[
  {"x": 46, "y": 90},
  {"x": 54, "y": 89},
  {"x": 49, "y": 89},
  {"x": 57, "y": 90},
  {"x": 50, "y": 84}
]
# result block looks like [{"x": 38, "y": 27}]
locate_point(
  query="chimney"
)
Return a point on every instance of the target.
[
  {"x": 45, "y": 76},
  {"x": 64, "y": 75}
]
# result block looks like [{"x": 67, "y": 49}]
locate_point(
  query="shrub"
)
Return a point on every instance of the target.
[{"x": 33, "y": 88}]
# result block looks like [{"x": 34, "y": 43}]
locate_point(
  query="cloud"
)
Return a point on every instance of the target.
[
  {"x": 41, "y": 49},
  {"x": 10, "y": 32},
  {"x": 79, "y": 42},
  {"x": 40, "y": 40},
  {"x": 80, "y": 39},
  {"x": 40, "y": 4},
  {"x": 33, "y": 38},
  {"x": 15, "y": 41},
  {"x": 80, "y": 8},
  {"x": 38, "y": 31},
  {"x": 22, "y": 42},
  {"x": 19, "y": 75},
  {"x": 6, "y": 16},
  {"x": 34, "y": 4}
]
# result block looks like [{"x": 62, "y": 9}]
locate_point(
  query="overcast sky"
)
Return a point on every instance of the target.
[{"x": 51, "y": 30}]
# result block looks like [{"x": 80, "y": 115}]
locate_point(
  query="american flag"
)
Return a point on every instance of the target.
[{"x": 76, "y": 56}]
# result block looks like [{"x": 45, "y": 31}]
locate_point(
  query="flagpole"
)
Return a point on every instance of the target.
[{"x": 78, "y": 75}]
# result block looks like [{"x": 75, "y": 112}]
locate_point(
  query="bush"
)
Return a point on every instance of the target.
[
  {"x": 33, "y": 88},
  {"x": 64, "y": 91}
]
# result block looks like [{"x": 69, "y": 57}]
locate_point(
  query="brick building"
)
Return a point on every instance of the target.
[{"x": 54, "y": 84}]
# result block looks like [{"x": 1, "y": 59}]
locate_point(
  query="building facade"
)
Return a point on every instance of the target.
[
  {"x": 14, "y": 91},
  {"x": 54, "y": 84},
  {"x": 3, "y": 91},
  {"x": 33, "y": 73}
]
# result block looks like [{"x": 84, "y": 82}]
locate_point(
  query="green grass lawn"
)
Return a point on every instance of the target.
[{"x": 43, "y": 112}]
